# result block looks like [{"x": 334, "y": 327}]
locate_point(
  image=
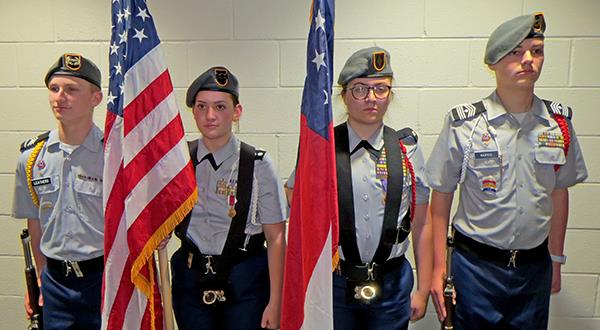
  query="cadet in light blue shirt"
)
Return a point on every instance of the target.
[
  {"x": 514, "y": 157},
  {"x": 223, "y": 277},
  {"x": 58, "y": 188},
  {"x": 382, "y": 195}
]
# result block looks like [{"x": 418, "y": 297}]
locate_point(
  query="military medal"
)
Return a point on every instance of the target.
[
  {"x": 231, "y": 212},
  {"x": 221, "y": 187},
  {"x": 552, "y": 140},
  {"x": 381, "y": 172},
  {"x": 231, "y": 190},
  {"x": 41, "y": 164}
]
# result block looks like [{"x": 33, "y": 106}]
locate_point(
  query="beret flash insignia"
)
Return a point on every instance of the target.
[
  {"x": 379, "y": 61},
  {"x": 72, "y": 61},
  {"x": 538, "y": 23},
  {"x": 221, "y": 77}
]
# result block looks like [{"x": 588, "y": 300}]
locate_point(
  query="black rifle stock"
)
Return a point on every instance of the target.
[
  {"x": 33, "y": 290},
  {"x": 448, "y": 323}
]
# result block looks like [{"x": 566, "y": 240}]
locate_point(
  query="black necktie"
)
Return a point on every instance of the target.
[
  {"x": 211, "y": 160},
  {"x": 368, "y": 147}
]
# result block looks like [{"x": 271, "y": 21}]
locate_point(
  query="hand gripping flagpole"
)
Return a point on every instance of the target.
[{"x": 165, "y": 288}]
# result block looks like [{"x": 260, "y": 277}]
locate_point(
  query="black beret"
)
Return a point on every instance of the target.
[
  {"x": 366, "y": 63},
  {"x": 511, "y": 33},
  {"x": 77, "y": 66},
  {"x": 218, "y": 79}
]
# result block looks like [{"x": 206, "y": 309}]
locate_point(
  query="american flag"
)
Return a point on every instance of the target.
[
  {"x": 313, "y": 232},
  {"x": 149, "y": 183}
]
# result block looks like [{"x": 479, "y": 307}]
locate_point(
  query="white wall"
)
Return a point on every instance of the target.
[{"x": 437, "y": 51}]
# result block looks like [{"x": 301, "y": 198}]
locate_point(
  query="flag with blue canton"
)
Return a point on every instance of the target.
[
  {"x": 149, "y": 183},
  {"x": 313, "y": 232}
]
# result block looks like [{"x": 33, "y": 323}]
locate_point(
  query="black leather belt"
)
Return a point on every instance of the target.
[
  {"x": 500, "y": 256},
  {"x": 369, "y": 271},
  {"x": 220, "y": 264},
  {"x": 75, "y": 268}
]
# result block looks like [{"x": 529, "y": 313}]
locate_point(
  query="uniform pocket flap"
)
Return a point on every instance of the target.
[
  {"x": 555, "y": 156},
  {"x": 87, "y": 187}
]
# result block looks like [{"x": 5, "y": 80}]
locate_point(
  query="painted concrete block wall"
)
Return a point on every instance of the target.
[{"x": 437, "y": 49}]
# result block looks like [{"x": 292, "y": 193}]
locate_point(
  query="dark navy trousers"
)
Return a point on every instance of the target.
[
  {"x": 390, "y": 313},
  {"x": 492, "y": 296},
  {"x": 71, "y": 302},
  {"x": 247, "y": 297}
]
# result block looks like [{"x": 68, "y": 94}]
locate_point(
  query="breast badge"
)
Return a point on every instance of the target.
[{"x": 489, "y": 185}]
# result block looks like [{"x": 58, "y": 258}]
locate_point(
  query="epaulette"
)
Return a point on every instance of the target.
[
  {"x": 30, "y": 143},
  {"x": 558, "y": 109},
  {"x": 408, "y": 136},
  {"x": 467, "y": 110},
  {"x": 259, "y": 154}
]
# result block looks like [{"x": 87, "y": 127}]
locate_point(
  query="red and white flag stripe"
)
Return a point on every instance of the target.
[{"x": 149, "y": 186}]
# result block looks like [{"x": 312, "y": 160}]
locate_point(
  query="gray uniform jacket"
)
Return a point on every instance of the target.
[
  {"x": 509, "y": 176},
  {"x": 210, "y": 221},
  {"x": 69, "y": 188}
]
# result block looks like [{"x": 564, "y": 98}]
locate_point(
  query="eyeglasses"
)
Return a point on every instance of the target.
[{"x": 360, "y": 92}]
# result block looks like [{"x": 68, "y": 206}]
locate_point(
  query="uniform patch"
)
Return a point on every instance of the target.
[
  {"x": 486, "y": 154},
  {"x": 489, "y": 185},
  {"x": 379, "y": 62},
  {"x": 559, "y": 109},
  {"x": 72, "y": 61},
  {"x": 486, "y": 138},
  {"x": 41, "y": 181},
  {"x": 41, "y": 164},
  {"x": 221, "y": 77},
  {"x": 467, "y": 110},
  {"x": 552, "y": 140}
]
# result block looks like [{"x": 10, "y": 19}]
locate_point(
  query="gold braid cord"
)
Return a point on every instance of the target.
[{"x": 29, "y": 172}]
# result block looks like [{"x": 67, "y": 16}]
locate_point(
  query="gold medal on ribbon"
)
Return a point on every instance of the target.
[{"x": 231, "y": 212}]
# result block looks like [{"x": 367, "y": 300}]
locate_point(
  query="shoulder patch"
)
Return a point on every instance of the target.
[
  {"x": 408, "y": 135},
  {"x": 558, "y": 109},
  {"x": 259, "y": 154},
  {"x": 30, "y": 143},
  {"x": 467, "y": 110}
]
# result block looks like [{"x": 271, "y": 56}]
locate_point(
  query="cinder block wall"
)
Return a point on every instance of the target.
[{"x": 437, "y": 50}]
